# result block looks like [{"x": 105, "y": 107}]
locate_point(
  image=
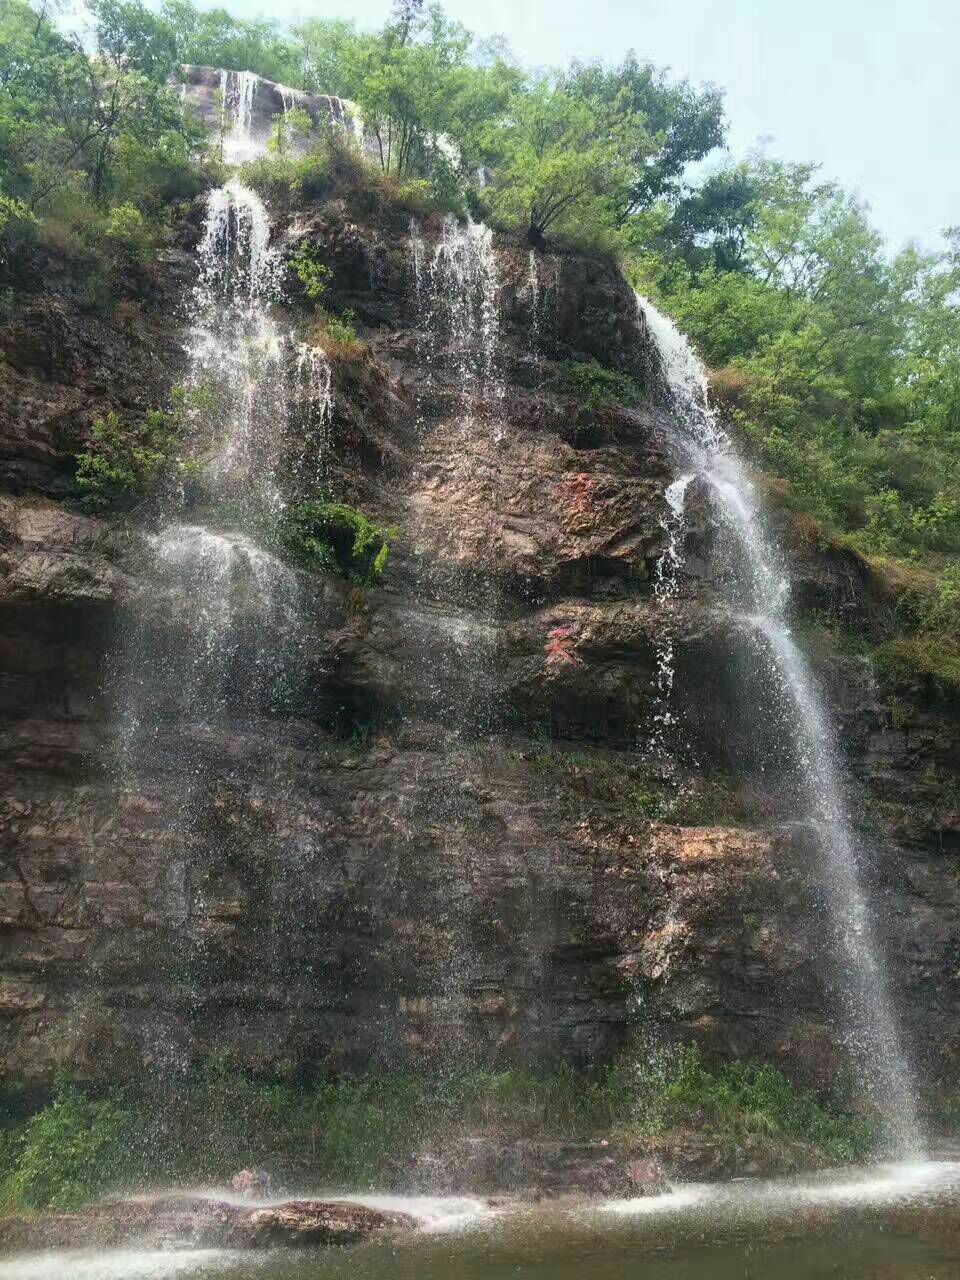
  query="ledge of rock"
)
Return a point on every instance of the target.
[{"x": 177, "y": 1220}]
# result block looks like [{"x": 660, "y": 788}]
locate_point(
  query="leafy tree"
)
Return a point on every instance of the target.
[
  {"x": 132, "y": 37},
  {"x": 214, "y": 38},
  {"x": 327, "y": 56},
  {"x": 677, "y": 124},
  {"x": 560, "y": 158},
  {"x": 837, "y": 365},
  {"x": 289, "y": 127},
  {"x": 68, "y": 116},
  {"x": 424, "y": 90},
  {"x": 708, "y": 225}
]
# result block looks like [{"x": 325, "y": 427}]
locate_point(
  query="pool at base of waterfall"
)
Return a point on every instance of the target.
[{"x": 898, "y": 1222}]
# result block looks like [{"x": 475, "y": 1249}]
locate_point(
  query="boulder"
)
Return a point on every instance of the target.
[{"x": 162, "y": 1221}]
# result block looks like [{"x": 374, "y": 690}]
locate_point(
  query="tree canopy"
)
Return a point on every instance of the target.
[{"x": 837, "y": 363}]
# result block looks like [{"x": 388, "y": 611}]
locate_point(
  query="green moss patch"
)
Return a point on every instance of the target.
[
  {"x": 330, "y": 537},
  {"x": 597, "y": 387}
]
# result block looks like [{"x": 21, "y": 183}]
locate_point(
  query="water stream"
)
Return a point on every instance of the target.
[
  {"x": 894, "y": 1223},
  {"x": 753, "y": 579}
]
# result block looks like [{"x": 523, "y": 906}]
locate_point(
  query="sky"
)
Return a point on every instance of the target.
[{"x": 870, "y": 89}]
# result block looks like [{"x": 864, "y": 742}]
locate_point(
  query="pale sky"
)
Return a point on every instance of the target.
[{"x": 869, "y": 88}]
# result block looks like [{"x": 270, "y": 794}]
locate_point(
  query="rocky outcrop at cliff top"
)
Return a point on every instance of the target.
[
  {"x": 445, "y": 841},
  {"x": 218, "y": 97}
]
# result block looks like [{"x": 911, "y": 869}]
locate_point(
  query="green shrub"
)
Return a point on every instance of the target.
[
  {"x": 342, "y": 330},
  {"x": 122, "y": 462},
  {"x": 309, "y": 270},
  {"x": 289, "y": 127},
  {"x": 127, "y": 238},
  {"x": 597, "y": 387},
  {"x": 357, "y": 1130},
  {"x": 70, "y": 1152},
  {"x": 925, "y": 656},
  {"x": 282, "y": 178},
  {"x": 333, "y": 538},
  {"x": 125, "y": 463},
  {"x": 741, "y": 1100}
]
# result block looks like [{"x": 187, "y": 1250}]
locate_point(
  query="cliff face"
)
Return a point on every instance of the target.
[{"x": 445, "y": 840}]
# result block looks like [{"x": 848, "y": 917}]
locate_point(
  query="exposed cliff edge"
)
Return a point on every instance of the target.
[{"x": 359, "y": 883}]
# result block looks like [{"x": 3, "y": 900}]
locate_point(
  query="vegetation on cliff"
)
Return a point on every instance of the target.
[
  {"x": 839, "y": 365},
  {"x": 370, "y": 1129},
  {"x": 337, "y": 539}
]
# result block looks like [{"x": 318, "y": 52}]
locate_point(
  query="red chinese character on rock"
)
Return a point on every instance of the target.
[{"x": 559, "y": 647}]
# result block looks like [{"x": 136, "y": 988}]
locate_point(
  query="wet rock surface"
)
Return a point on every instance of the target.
[
  {"x": 180, "y": 1220},
  {"x": 448, "y": 837}
]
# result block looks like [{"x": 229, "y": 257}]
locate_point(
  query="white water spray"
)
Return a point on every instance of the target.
[
  {"x": 313, "y": 397},
  {"x": 464, "y": 283},
  {"x": 235, "y": 347},
  {"x": 756, "y": 583},
  {"x": 666, "y": 587},
  {"x": 237, "y": 92}
]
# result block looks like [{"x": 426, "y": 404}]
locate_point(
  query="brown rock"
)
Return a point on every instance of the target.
[{"x": 175, "y": 1219}]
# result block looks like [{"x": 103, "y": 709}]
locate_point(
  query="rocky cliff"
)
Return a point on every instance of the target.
[{"x": 448, "y": 838}]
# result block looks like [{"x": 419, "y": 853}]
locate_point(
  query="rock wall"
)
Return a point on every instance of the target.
[
  {"x": 224, "y": 100},
  {"x": 448, "y": 842}
]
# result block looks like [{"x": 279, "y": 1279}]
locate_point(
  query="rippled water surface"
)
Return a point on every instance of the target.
[{"x": 894, "y": 1223}]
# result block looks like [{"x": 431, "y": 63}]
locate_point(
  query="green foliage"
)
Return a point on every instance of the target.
[
  {"x": 285, "y": 178},
  {"x": 214, "y": 38},
  {"x": 289, "y": 127},
  {"x": 332, "y": 538},
  {"x": 15, "y": 220},
  {"x": 927, "y": 656},
  {"x": 561, "y": 161},
  {"x": 89, "y": 136},
  {"x": 672, "y": 125},
  {"x": 127, "y": 462},
  {"x": 741, "y": 1100},
  {"x": 309, "y": 270},
  {"x": 342, "y": 330},
  {"x": 838, "y": 366},
  {"x": 598, "y": 387},
  {"x": 356, "y": 1130},
  {"x": 422, "y": 87},
  {"x": 127, "y": 236},
  {"x": 67, "y": 1154}
]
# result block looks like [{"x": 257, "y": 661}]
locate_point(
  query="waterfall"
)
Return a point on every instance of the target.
[
  {"x": 313, "y": 397},
  {"x": 543, "y": 278},
  {"x": 235, "y": 348},
  {"x": 754, "y": 578},
  {"x": 455, "y": 294},
  {"x": 237, "y": 92},
  {"x": 666, "y": 586},
  {"x": 464, "y": 284},
  {"x": 533, "y": 289},
  {"x": 229, "y": 601},
  {"x": 236, "y": 608},
  {"x": 417, "y": 251}
]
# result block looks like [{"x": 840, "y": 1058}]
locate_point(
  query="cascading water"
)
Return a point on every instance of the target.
[
  {"x": 455, "y": 288},
  {"x": 755, "y": 582},
  {"x": 235, "y": 608},
  {"x": 235, "y": 349},
  {"x": 312, "y": 395},
  {"x": 219, "y": 642},
  {"x": 237, "y": 92},
  {"x": 464, "y": 285},
  {"x": 543, "y": 277},
  {"x": 666, "y": 585}
]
